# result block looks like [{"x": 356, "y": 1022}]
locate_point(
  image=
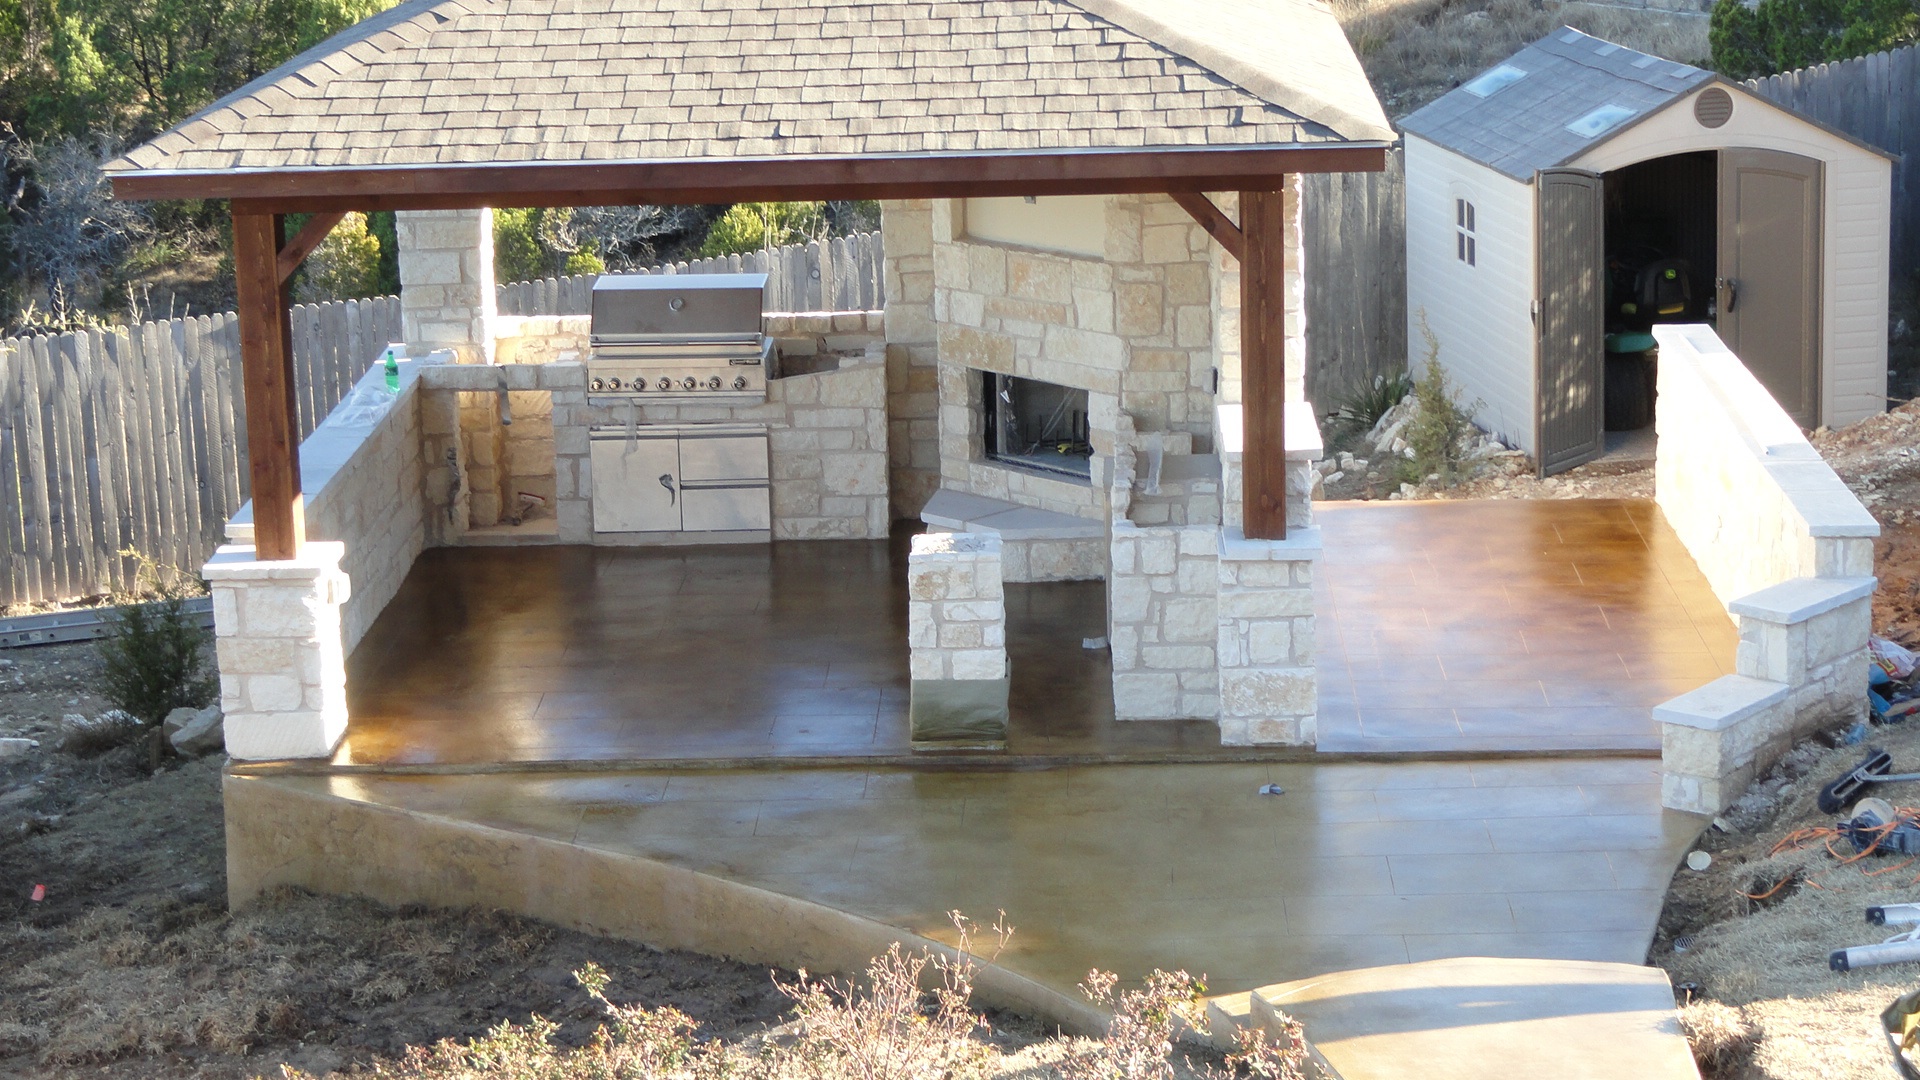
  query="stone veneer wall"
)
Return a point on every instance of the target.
[
  {"x": 1162, "y": 589},
  {"x": 446, "y": 281},
  {"x": 957, "y": 639},
  {"x": 913, "y": 406},
  {"x": 1226, "y": 300},
  {"x": 1269, "y": 690},
  {"x": 1748, "y": 495},
  {"x": 1784, "y": 544}
]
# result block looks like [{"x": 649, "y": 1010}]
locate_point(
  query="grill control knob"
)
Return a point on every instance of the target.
[
  {"x": 665, "y": 383},
  {"x": 713, "y": 382},
  {"x": 689, "y": 383},
  {"x": 597, "y": 384},
  {"x": 739, "y": 382},
  {"x": 613, "y": 384}
]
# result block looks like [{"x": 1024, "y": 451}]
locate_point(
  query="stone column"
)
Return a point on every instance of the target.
[
  {"x": 283, "y": 675},
  {"x": 913, "y": 435},
  {"x": 1269, "y": 693},
  {"x": 957, "y": 631},
  {"x": 447, "y": 296}
]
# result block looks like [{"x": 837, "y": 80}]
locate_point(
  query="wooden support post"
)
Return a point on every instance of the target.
[
  {"x": 1263, "y": 364},
  {"x": 295, "y": 251},
  {"x": 266, "y": 355}
]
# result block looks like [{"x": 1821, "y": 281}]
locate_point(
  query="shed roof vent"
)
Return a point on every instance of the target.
[{"x": 1713, "y": 107}]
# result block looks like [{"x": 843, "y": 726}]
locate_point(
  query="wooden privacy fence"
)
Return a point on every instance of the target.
[
  {"x": 1875, "y": 99},
  {"x": 1354, "y": 243},
  {"x": 136, "y": 438},
  {"x": 846, "y": 273}
]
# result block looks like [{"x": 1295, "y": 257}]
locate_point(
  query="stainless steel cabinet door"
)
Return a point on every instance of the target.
[
  {"x": 721, "y": 507},
  {"x": 636, "y": 483}
]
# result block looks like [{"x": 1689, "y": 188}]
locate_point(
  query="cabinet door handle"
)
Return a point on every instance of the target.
[{"x": 666, "y": 481}]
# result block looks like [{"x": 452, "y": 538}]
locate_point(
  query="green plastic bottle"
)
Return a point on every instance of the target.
[{"x": 393, "y": 373}]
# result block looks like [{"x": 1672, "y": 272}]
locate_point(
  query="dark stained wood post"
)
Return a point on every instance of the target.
[
  {"x": 1263, "y": 363},
  {"x": 266, "y": 358}
]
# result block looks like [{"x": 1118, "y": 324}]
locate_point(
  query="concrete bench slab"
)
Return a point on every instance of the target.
[{"x": 960, "y": 511}]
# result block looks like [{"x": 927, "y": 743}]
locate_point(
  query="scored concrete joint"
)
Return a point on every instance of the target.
[
  {"x": 283, "y": 676},
  {"x": 957, "y": 631}
]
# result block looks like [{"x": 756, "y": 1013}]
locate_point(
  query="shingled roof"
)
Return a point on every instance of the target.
[
  {"x": 454, "y": 82},
  {"x": 1521, "y": 116}
]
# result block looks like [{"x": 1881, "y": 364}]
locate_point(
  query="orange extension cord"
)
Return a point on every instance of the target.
[{"x": 1826, "y": 835}]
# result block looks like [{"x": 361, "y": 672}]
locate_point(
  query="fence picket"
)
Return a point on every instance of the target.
[
  {"x": 106, "y": 461},
  {"x": 13, "y": 555}
]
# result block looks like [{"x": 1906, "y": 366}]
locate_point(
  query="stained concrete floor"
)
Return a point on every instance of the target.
[
  {"x": 1129, "y": 868},
  {"x": 1478, "y": 626},
  {"x": 1508, "y": 625}
]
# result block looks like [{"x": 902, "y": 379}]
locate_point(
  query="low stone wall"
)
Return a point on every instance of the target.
[
  {"x": 1163, "y": 613},
  {"x": 957, "y": 634},
  {"x": 1269, "y": 688},
  {"x": 1741, "y": 486},
  {"x": 1785, "y": 546},
  {"x": 365, "y": 482}
]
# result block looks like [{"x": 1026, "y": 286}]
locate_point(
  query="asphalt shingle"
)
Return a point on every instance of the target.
[{"x": 546, "y": 80}]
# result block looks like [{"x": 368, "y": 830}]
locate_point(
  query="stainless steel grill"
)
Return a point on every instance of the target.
[{"x": 680, "y": 336}]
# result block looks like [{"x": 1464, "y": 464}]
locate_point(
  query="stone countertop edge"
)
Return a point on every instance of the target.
[
  {"x": 1301, "y": 545},
  {"x": 1303, "y": 431}
]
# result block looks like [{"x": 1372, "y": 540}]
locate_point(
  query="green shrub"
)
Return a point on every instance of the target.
[
  {"x": 1362, "y": 408},
  {"x": 154, "y": 657},
  {"x": 1781, "y": 35},
  {"x": 516, "y": 247},
  {"x": 1440, "y": 425},
  {"x": 346, "y": 265},
  {"x": 749, "y": 227}
]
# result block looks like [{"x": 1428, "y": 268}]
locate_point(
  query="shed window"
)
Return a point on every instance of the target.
[{"x": 1463, "y": 232}]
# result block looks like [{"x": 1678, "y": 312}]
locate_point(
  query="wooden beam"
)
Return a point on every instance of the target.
[
  {"x": 773, "y": 179},
  {"x": 1218, "y": 225},
  {"x": 1263, "y": 364},
  {"x": 266, "y": 358},
  {"x": 310, "y": 236}
]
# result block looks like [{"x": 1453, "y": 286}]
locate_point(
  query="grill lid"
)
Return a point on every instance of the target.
[{"x": 636, "y": 308}]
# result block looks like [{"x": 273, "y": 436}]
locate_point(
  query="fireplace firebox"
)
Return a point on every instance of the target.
[{"x": 1036, "y": 425}]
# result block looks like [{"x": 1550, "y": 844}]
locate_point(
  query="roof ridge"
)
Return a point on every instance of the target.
[
  {"x": 1241, "y": 71},
  {"x": 315, "y": 66}
]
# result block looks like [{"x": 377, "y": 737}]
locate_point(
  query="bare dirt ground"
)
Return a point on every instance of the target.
[{"x": 131, "y": 966}]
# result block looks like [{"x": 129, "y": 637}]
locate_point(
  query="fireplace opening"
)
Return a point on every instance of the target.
[{"x": 1037, "y": 425}]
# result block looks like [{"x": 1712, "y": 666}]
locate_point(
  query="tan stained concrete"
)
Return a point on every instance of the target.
[
  {"x": 1508, "y": 625},
  {"x": 1126, "y": 868},
  {"x": 1478, "y": 1018}
]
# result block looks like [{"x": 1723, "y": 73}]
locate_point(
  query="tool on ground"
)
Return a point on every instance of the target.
[
  {"x": 1874, "y": 769},
  {"x": 1901, "y": 1020},
  {"x": 1876, "y": 827},
  {"x": 1899, "y": 949}
]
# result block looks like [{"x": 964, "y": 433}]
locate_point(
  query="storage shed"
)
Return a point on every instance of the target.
[{"x": 1561, "y": 202}]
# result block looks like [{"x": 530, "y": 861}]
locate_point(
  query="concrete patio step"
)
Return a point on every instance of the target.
[{"x": 1479, "y": 1018}]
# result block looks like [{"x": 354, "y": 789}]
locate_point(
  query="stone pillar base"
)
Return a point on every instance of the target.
[
  {"x": 283, "y": 675},
  {"x": 957, "y": 631},
  {"x": 1269, "y": 689}
]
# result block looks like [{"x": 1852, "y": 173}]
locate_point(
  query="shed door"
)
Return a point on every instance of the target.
[
  {"x": 1769, "y": 289},
  {"x": 1569, "y": 253}
]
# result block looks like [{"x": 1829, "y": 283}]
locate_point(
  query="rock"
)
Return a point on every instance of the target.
[
  {"x": 196, "y": 733},
  {"x": 13, "y": 748}
]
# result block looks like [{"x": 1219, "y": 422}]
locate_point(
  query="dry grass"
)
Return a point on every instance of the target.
[
  {"x": 1775, "y": 1011},
  {"x": 1416, "y": 50}
]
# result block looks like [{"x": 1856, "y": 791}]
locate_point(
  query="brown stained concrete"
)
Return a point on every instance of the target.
[
  {"x": 1468, "y": 1019},
  {"x": 790, "y": 650},
  {"x": 1508, "y": 625},
  {"x": 1486, "y": 626},
  {"x": 1126, "y": 868}
]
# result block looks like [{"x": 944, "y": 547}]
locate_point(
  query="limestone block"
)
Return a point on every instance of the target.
[
  {"x": 1146, "y": 697},
  {"x": 980, "y": 664},
  {"x": 1240, "y": 603},
  {"x": 1267, "y": 692}
]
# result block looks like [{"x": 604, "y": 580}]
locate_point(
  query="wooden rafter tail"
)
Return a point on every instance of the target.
[
  {"x": 1212, "y": 219},
  {"x": 311, "y": 236}
]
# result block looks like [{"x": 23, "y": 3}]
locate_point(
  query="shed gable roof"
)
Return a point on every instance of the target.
[
  {"x": 451, "y": 82},
  {"x": 1524, "y": 126}
]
